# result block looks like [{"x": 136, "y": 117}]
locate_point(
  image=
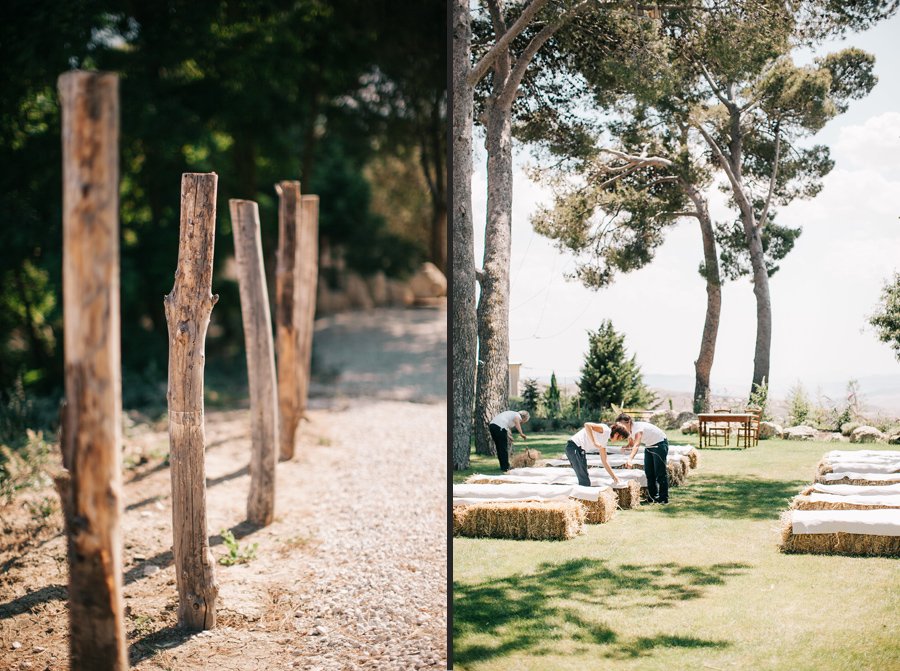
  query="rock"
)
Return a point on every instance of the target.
[
  {"x": 428, "y": 282},
  {"x": 16, "y": 645},
  {"x": 800, "y": 433},
  {"x": 689, "y": 427},
  {"x": 149, "y": 570},
  {"x": 832, "y": 437},
  {"x": 866, "y": 434},
  {"x": 683, "y": 417},
  {"x": 847, "y": 427},
  {"x": 399, "y": 294},
  {"x": 770, "y": 430},
  {"x": 894, "y": 439},
  {"x": 357, "y": 292},
  {"x": 378, "y": 289}
]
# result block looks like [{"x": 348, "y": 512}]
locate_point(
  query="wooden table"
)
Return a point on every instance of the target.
[{"x": 744, "y": 419}]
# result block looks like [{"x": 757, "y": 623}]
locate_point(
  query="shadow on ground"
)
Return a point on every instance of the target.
[
  {"x": 530, "y": 613},
  {"x": 732, "y": 497}
]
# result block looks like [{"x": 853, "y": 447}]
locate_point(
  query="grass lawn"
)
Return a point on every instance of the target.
[{"x": 699, "y": 584}]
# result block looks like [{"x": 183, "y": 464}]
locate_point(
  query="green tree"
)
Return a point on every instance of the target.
[
  {"x": 552, "y": 398},
  {"x": 798, "y": 405},
  {"x": 608, "y": 375},
  {"x": 531, "y": 396},
  {"x": 887, "y": 319}
]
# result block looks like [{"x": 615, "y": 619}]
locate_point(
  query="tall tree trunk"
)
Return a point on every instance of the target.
[
  {"x": 188, "y": 309},
  {"x": 463, "y": 342},
  {"x": 90, "y": 488},
  {"x": 308, "y": 248},
  {"x": 704, "y": 362},
  {"x": 492, "y": 382}
]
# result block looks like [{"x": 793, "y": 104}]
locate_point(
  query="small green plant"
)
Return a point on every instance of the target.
[
  {"x": 41, "y": 510},
  {"x": 236, "y": 554},
  {"x": 798, "y": 405},
  {"x": 760, "y": 397},
  {"x": 23, "y": 467}
]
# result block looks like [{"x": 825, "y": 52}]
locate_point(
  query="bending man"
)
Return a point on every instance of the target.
[
  {"x": 656, "y": 452},
  {"x": 500, "y": 428},
  {"x": 598, "y": 435}
]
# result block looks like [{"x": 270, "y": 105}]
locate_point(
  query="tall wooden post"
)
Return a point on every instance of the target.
[
  {"x": 257, "y": 322},
  {"x": 308, "y": 259},
  {"x": 287, "y": 315},
  {"x": 91, "y": 486},
  {"x": 188, "y": 310}
]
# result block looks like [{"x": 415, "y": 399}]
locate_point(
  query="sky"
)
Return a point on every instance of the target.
[{"x": 821, "y": 297}]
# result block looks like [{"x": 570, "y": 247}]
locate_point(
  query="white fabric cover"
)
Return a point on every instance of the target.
[
  {"x": 856, "y": 475},
  {"x": 858, "y": 490},
  {"x": 873, "y": 522},
  {"x": 614, "y": 460},
  {"x": 866, "y": 466},
  {"x": 863, "y": 455},
  {"x": 468, "y": 494},
  {"x": 682, "y": 450},
  {"x": 889, "y": 501},
  {"x": 558, "y": 476}
]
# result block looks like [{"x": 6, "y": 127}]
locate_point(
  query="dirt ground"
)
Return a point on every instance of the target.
[{"x": 352, "y": 573}]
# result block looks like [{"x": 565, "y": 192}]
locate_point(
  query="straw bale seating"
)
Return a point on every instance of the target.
[
  {"x": 520, "y": 520},
  {"x": 628, "y": 491},
  {"x": 527, "y": 520},
  {"x": 850, "y": 532},
  {"x": 676, "y": 466},
  {"x": 857, "y": 478},
  {"x": 819, "y": 501},
  {"x": 688, "y": 451}
]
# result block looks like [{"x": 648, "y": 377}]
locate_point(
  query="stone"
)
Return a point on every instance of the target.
[
  {"x": 149, "y": 570},
  {"x": 894, "y": 438},
  {"x": 800, "y": 432},
  {"x": 399, "y": 294},
  {"x": 770, "y": 430},
  {"x": 357, "y": 292},
  {"x": 664, "y": 420},
  {"x": 691, "y": 426},
  {"x": 684, "y": 416},
  {"x": 866, "y": 434},
  {"x": 428, "y": 282},
  {"x": 378, "y": 289}
]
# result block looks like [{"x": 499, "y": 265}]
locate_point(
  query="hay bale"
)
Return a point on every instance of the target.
[
  {"x": 520, "y": 520},
  {"x": 840, "y": 542},
  {"x": 478, "y": 479},
  {"x": 601, "y": 510},
  {"x": 806, "y": 502},
  {"x": 693, "y": 458},
  {"x": 629, "y": 496},
  {"x": 848, "y": 481},
  {"x": 524, "y": 459},
  {"x": 676, "y": 473}
]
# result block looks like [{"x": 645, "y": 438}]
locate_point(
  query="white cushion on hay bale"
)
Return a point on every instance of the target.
[
  {"x": 856, "y": 490},
  {"x": 866, "y": 522},
  {"x": 850, "y": 500},
  {"x": 468, "y": 494},
  {"x": 864, "y": 466},
  {"x": 856, "y": 475},
  {"x": 863, "y": 455}
]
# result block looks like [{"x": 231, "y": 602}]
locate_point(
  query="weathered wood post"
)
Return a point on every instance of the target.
[
  {"x": 287, "y": 315},
  {"x": 90, "y": 488},
  {"x": 188, "y": 310},
  {"x": 257, "y": 322},
  {"x": 308, "y": 259}
]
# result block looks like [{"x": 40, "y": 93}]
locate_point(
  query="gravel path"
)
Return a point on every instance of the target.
[{"x": 352, "y": 573}]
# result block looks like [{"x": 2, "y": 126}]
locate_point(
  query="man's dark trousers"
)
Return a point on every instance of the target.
[
  {"x": 655, "y": 470},
  {"x": 501, "y": 441}
]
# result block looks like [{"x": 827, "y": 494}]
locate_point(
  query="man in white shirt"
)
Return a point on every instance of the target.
[
  {"x": 598, "y": 435},
  {"x": 500, "y": 428},
  {"x": 656, "y": 451}
]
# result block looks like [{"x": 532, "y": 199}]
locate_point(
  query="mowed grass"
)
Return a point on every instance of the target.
[{"x": 699, "y": 584}]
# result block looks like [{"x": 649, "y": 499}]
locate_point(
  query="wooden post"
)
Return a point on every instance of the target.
[
  {"x": 188, "y": 309},
  {"x": 257, "y": 322},
  {"x": 91, "y": 486},
  {"x": 308, "y": 259},
  {"x": 287, "y": 315}
]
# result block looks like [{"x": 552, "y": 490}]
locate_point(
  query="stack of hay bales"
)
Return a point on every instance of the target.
[
  {"x": 628, "y": 490},
  {"x": 528, "y": 510},
  {"x": 853, "y": 512}
]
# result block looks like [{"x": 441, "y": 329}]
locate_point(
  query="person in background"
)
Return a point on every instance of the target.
[
  {"x": 500, "y": 429},
  {"x": 598, "y": 435},
  {"x": 656, "y": 451}
]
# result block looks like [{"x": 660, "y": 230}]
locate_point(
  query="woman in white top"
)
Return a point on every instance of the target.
[
  {"x": 500, "y": 429},
  {"x": 598, "y": 435},
  {"x": 656, "y": 451}
]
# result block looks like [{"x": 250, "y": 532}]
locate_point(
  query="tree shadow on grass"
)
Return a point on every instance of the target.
[
  {"x": 525, "y": 612},
  {"x": 735, "y": 497}
]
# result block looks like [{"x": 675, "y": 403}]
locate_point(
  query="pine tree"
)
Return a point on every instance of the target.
[
  {"x": 551, "y": 398},
  {"x": 608, "y": 375},
  {"x": 531, "y": 396}
]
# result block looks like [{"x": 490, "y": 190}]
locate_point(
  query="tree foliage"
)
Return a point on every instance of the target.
[
  {"x": 608, "y": 376},
  {"x": 887, "y": 318},
  {"x": 531, "y": 396},
  {"x": 552, "y": 398}
]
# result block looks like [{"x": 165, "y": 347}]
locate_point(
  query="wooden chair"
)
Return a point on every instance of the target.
[
  {"x": 751, "y": 437},
  {"x": 717, "y": 431}
]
